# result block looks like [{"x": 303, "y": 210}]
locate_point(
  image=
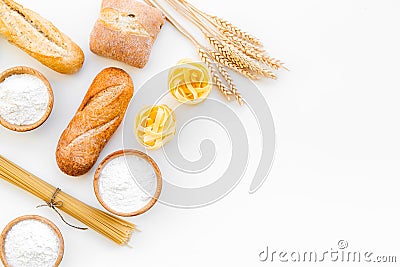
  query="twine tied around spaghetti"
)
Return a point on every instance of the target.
[{"x": 53, "y": 204}]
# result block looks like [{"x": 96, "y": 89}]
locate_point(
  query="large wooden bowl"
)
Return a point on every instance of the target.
[
  {"x": 31, "y": 217},
  {"x": 27, "y": 70},
  {"x": 121, "y": 153}
]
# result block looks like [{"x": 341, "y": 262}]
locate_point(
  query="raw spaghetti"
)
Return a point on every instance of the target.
[{"x": 112, "y": 227}]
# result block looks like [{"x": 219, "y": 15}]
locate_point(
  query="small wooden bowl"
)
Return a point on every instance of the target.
[
  {"x": 121, "y": 153},
  {"x": 30, "y": 217},
  {"x": 27, "y": 70}
]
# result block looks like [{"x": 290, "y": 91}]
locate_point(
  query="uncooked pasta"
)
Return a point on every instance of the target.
[
  {"x": 112, "y": 227},
  {"x": 155, "y": 126},
  {"x": 189, "y": 82}
]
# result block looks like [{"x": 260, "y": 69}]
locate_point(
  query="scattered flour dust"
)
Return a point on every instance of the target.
[
  {"x": 31, "y": 243},
  {"x": 23, "y": 99},
  {"x": 127, "y": 183}
]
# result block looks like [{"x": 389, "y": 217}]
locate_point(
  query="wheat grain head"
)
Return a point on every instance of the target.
[
  {"x": 216, "y": 79},
  {"x": 235, "y": 30}
]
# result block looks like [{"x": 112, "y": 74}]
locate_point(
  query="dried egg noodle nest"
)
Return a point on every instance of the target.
[
  {"x": 155, "y": 126},
  {"x": 189, "y": 82}
]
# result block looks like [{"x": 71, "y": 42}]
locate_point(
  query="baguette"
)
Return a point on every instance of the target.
[
  {"x": 96, "y": 120},
  {"x": 39, "y": 38},
  {"x": 125, "y": 31}
]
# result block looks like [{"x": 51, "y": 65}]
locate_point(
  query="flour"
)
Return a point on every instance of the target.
[
  {"x": 31, "y": 243},
  {"x": 23, "y": 99},
  {"x": 127, "y": 184}
]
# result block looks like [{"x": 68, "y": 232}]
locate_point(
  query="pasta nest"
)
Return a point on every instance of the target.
[
  {"x": 155, "y": 126},
  {"x": 189, "y": 82}
]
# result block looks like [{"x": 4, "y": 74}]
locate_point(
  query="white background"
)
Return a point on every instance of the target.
[{"x": 335, "y": 174}]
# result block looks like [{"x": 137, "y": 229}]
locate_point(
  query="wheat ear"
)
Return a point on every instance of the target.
[
  {"x": 235, "y": 30},
  {"x": 217, "y": 80},
  {"x": 244, "y": 61},
  {"x": 224, "y": 61},
  {"x": 274, "y": 63},
  {"x": 237, "y": 57},
  {"x": 231, "y": 84},
  {"x": 236, "y": 50},
  {"x": 232, "y": 38},
  {"x": 244, "y": 71}
]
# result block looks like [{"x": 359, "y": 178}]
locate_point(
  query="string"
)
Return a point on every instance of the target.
[{"x": 53, "y": 204}]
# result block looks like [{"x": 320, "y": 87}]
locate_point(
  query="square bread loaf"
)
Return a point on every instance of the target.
[{"x": 125, "y": 31}]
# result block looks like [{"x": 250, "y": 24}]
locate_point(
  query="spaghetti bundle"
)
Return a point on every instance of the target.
[{"x": 112, "y": 227}]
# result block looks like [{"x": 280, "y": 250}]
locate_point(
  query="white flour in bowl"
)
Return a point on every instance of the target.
[
  {"x": 31, "y": 243},
  {"x": 23, "y": 99},
  {"x": 127, "y": 183}
]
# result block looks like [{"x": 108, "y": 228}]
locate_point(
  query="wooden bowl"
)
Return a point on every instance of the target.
[
  {"x": 27, "y": 70},
  {"x": 30, "y": 217},
  {"x": 121, "y": 153}
]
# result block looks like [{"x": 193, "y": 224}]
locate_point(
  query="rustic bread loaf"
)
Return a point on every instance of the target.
[
  {"x": 126, "y": 31},
  {"x": 39, "y": 38},
  {"x": 96, "y": 120}
]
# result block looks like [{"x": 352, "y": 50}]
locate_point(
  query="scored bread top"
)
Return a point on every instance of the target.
[
  {"x": 21, "y": 22},
  {"x": 39, "y": 38},
  {"x": 96, "y": 120},
  {"x": 149, "y": 18},
  {"x": 126, "y": 31},
  {"x": 122, "y": 21}
]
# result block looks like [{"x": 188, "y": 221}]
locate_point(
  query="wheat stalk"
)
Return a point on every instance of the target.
[
  {"x": 248, "y": 50},
  {"x": 224, "y": 61},
  {"x": 235, "y": 30},
  {"x": 237, "y": 50},
  {"x": 231, "y": 47},
  {"x": 244, "y": 61},
  {"x": 237, "y": 57},
  {"x": 231, "y": 84},
  {"x": 217, "y": 80},
  {"x": 230, "y": 43},
  {"x": 222, "y": 26},
  {"x": 253, "y": 51},
  {"x": 239, "y": 42},
  {"x": 273, "y": 63},
  {"x": 234, "y": 36}
]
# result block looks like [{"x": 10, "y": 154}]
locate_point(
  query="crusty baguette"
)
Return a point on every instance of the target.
[
  {"x": 39, "y": 38},
  {"x": 125, "y": 31},
  {"x": 96, "y": 120}
]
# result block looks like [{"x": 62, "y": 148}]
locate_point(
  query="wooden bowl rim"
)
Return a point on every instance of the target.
[
  {"x": 31, "y": 217},
  {"x": 120, "y": 153},
  {"x": 27, "y": 70}
]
